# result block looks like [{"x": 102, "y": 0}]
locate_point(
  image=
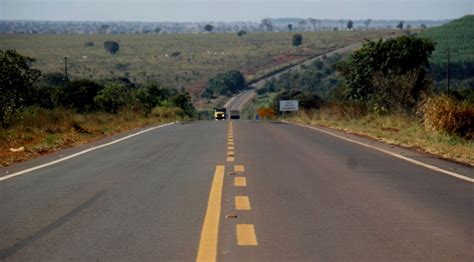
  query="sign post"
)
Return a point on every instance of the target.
[{"x": 288, "y": 106}]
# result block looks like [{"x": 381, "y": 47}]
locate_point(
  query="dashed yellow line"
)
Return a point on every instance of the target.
[
  {"x": 230, "y": 153},
  {"x": 230, "y": 143},
  {"x": 239, "y": 168},
  {"x": 207, "y": 250},
  {"x": 230, "y": 148},
  {"x": 246, "y": 235},
  {"x": 242, "y": 203},
  {"x": 240, "y": 181},
  {"x": 230, "y": 159}
]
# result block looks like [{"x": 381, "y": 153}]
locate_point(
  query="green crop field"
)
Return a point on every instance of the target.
[
  {"x": 457, "y": 35},
  {"x": 455, "y": 38},
  {"x": 149, "y": 57}
]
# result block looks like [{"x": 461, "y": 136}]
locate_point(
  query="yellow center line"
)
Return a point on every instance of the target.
[
  {"x": 239, "y": 168},
  {"x": 230, "y": 159},
  {"x": 242, "y": 203},
  {"x": 230, "y": 148},
  {"x": 246, "y": 235},
  {"x": 207, "y": 250},
  {"x": 240, "y": 181},
  {"x": 230, "y": 153},
  {"x": 230, "y": 143}
]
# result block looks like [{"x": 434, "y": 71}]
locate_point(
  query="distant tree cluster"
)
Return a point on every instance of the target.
[{"x": 227, "y": 83}]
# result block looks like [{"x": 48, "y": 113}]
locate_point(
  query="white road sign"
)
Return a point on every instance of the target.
[{"x": 288, "y": 105}]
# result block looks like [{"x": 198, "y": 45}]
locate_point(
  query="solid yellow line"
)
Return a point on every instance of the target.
[
  {"x": 210, "y": 229},
  {"x": 246, "y": 235},
  {"x": 230, "y": 148},
  {"x": 230, "y": 159},
  {"x": 242, "y": 203},
  {"x": 230, "y": 143},
  {"x": 240, "y": 181},
  {"x": 239, "y": 168}
]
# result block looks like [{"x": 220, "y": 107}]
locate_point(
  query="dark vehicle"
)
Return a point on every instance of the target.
[{"x": 234, "y": 114}]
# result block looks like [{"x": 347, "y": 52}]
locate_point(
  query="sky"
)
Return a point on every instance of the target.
[{"x": 230, "y": 10}]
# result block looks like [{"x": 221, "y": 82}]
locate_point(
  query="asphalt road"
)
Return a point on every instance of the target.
[{"x": 250, "y": 191}]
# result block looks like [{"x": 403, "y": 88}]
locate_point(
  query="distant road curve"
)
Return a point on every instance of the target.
[{"x": 239, "y": 101}]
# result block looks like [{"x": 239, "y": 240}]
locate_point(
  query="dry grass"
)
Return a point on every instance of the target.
[
  {"x": 445, "y": 114},
  {"x": 393, "y": 129},
  {"x": 42, "y": 131}
]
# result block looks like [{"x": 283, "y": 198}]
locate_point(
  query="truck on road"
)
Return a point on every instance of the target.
[
  {"x": 220, "y": 113},
  {"x": 234, "y": 114}
]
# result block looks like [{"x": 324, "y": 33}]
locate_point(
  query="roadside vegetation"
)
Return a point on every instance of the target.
[
  {"x": 43, "y": 113},
  {"x": 383, "y": 90}
]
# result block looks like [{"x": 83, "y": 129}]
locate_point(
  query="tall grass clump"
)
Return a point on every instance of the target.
[{"x": 445, "y": 114}]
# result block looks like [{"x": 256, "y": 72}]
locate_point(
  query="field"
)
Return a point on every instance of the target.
[{"x": 149, "y": 57}]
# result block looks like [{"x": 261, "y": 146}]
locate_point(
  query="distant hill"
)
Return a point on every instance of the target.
[{"x": 457, "y": 37}]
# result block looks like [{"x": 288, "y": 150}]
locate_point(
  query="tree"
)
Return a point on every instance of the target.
[
  {"x": 290, "y": 27},
  {"x": 267, "y": 24},
  {"x": 313, "y": 22},
  {"x": 241, "y": 33},
  {"x": 183, "y": 101},
  {"x": 113, "y": 97},
  {"x": 103, "y": 29},
  {"x": 227, "y": 83},
  {"x": 386, "y": 75},
  {"x": 350, "y": 24},
  {"x": 208, "y": 28},
  {"x": 423, "y": 26},
  {"x": 16, "y": 81},
  {"x": 302, "y": 24},
  {"x": 152, "y": 94},
  {"x": 157, "y": 30},
  {"x": 111, "y": 47},
  {"x": 400, "y": 25},
  {"x": 80, "y": 95},
  {"x": 297, "y": 40},
  {"x": 367, "y": 23}
]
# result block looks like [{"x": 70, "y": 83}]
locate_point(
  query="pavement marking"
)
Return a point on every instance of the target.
[
  {"x": 230, "y": 143},
  {"x": 230, "y": 148},
  {"x": 246, "y": 235},
  {"x": 242, "y": 203},
  {"x": 19, "y": 173},
  {"x": 239, "y": 168},
  {"x": 230, "y": 159},
  {"x": 240, "y": 181},
  {"x": 230, "y": 153},
  {"x": 207, "y": 250},
  {"x": 413, "y": 161}
]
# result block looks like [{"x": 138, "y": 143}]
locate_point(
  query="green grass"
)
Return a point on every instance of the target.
[{"x": 143, "y": 57}]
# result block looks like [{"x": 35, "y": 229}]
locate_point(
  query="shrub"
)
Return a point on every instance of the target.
[
  {"x": 113, "y": 97},
  {"x": 445, "y": 114},
  {"x": 80, "y": 95},
  {"x": 297, "y": 40},
  {"x": 111, "y": 47}
]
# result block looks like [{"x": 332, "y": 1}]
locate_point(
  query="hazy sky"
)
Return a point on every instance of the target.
[{"x": 231, "y": 10}]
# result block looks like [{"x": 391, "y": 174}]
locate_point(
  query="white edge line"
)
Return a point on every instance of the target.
[
  {"x": 19, "y": 173},
  {"x": 416, "y": 162}
]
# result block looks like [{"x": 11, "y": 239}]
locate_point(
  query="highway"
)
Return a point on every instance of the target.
[{"x": 235, "y": 191}]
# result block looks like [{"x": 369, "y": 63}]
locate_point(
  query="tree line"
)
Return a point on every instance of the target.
[{"x": 22, "y": 86}]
